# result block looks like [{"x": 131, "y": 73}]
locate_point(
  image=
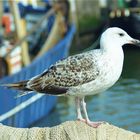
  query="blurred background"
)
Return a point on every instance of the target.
[{"x": 36, "y": 33}]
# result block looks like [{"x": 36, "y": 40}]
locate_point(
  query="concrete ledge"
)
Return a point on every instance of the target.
[{"x": 70, "y": 130}]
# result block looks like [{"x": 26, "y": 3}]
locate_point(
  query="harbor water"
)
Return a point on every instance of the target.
[{"x": 119, "y": 105}]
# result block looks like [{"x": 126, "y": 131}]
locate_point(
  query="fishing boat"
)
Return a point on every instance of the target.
[{"x": 25, "y": 110}]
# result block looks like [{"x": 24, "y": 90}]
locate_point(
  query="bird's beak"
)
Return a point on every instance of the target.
[{"x": 135, "y": 42}]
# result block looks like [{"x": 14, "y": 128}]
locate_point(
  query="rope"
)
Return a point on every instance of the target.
[{"x": 71, "y": 130}]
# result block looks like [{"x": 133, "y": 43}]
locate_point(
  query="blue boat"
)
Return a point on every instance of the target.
[{"x": 23, "y": 111}]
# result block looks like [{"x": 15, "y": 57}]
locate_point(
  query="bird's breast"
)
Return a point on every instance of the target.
[{"x": 110, "y": 68}]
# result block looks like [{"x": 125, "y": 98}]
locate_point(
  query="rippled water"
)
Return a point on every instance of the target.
[{"x": 120, "y": 105}]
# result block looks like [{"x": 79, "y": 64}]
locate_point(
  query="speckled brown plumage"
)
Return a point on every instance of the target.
[{"x": 73, "y": 71}]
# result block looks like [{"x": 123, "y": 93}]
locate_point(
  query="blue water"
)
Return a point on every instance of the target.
[{"x": 120, "y": 105}]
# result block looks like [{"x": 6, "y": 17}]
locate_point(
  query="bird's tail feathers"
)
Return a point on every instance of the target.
[{"x": 19, "y": 86}]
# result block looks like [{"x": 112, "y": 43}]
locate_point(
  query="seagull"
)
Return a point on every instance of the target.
[{"x": 83, "y": 74}]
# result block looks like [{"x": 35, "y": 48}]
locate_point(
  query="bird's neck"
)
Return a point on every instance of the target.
[{"x": 114, "y": 52}]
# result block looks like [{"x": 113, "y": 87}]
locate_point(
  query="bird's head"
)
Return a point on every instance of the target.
[{"x": 116, "y": 37}]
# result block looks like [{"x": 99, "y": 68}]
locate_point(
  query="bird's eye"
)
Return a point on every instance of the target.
[{"x": 121, "y": 34}]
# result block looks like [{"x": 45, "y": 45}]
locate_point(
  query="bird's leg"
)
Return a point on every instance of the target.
[
  {"x": 78, "y": 109},
  {"x": 90, "y": 123}
]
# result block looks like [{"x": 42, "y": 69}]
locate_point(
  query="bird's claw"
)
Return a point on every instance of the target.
[
  {"x": 90, "y": 123},
  {"x": 94, "y": 124}
]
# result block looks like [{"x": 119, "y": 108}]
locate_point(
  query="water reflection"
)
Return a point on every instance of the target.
[{"x": 120, "y": 105}]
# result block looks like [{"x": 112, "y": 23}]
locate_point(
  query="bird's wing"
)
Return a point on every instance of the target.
[{"x": 73, "y": 71}]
